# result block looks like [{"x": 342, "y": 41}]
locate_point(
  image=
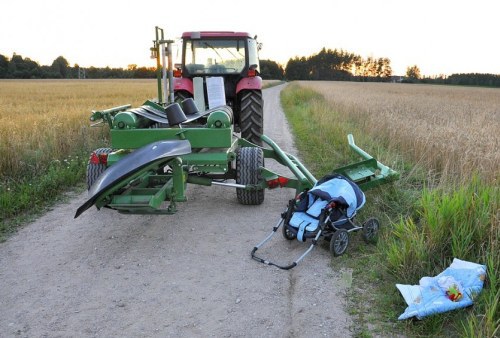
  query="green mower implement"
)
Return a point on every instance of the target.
[{"x": 159, "y": 148}]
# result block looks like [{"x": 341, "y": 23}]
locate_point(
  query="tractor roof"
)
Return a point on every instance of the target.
[{"x": 214, "y": 34}]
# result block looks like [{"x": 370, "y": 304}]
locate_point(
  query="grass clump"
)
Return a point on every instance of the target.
[
  {"x": 22, "y": 197},
  {"x": 461, "y": 222}
]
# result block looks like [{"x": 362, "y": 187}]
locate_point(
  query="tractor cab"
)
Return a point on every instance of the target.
[
  {"x": 222, "y": 68},
  {"x": 218, "y": 53}
]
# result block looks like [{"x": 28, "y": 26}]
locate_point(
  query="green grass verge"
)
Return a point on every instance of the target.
[
  {"x": 24, "y": 196},
  {"x": 424, "y": 227},
  {"x": 271, "y": 83}
]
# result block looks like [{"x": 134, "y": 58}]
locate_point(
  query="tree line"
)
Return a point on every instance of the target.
[
  {"x": 338, "y": 65},
  {"x": 25, "y": 68},
  {"x": 462, "y": 79},
  {"x": 327, "y": 65}
]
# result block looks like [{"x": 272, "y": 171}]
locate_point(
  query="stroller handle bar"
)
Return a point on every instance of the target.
[{"x": 283, "y": 267}]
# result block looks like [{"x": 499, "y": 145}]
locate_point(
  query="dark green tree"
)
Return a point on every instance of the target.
[
  {"x": 270, "y": 70},
  {"x": 19, "y": 68},
  {"x": 60, "y": 67},
  {"x": 144, "y": 73},
  {"x": 297, "y": 69},
  {"x": 4, "y": 66}
]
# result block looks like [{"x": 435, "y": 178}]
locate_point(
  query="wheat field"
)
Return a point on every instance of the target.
[
  {"x": 47, "y": 120},
  {"x": 453, "y": 130}
]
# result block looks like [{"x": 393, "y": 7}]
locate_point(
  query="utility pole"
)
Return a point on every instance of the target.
[{"x": 81, "y": 73}]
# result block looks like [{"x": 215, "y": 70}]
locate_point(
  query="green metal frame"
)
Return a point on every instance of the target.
[
  {"x": 214, "y": 149},
  {"x": 198, "y": 137},
  {"x": 213, "y": 152},
  {"x": 368, "y": 173}
]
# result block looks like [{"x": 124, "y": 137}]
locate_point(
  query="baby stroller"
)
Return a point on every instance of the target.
[{"x": 326, "y": 210}]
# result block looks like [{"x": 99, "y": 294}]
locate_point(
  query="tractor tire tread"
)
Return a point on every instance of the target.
[
  {"x": 248, "y": 161},
  {"x": 252, "y": 116},
  {"x": 95, "y": 170}
]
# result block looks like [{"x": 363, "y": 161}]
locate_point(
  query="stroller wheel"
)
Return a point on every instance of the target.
[
  {"x": 339, "y": 242},
  {"x": 370, "y": 230},
  {"x": 287, "y": 233}
]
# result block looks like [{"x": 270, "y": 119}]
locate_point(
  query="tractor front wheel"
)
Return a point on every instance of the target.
[
  {"x": 252, "y": 116},
  {"x": 248, "y": 161},
  {"x": 95, "y": 170}
]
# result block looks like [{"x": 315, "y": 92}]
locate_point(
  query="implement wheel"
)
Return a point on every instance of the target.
[
  {"x": 252, "y": 116},
  {"x": 370, "y": 230},
  {"x": 339, "y": 242},
  {"x": 95, "y": 170},
  {"x": 248, "y": 161},
  {"x": 289, "y": 235}
]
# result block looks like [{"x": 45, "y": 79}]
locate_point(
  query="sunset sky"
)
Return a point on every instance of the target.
[{"x": 439, "y": 36}]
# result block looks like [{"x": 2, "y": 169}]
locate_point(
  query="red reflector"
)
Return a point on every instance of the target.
[
  {"x": 252, "y": 73},
  {"x": 283, "y": 181},
  {"x": 277, "y": 182},
  {"x": 103, "y": 159},
  {"x": 177, "y": 73},
  {"x": 99, "y": 158},
  {"x": 94, "y": 159}
]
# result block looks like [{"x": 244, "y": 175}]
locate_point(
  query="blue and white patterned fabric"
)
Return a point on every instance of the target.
[
  {"x": 331, "y": 188},
  {"x": 429, "y": 297}
]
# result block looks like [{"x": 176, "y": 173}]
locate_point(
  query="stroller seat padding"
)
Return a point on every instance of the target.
[{"x": 309, "y": 220}]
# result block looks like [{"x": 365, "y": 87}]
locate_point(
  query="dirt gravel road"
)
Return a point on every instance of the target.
[{"x": 187, "y": 275}]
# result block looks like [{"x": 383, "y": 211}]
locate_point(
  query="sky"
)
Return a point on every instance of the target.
[{"x": 439, "y": 36}]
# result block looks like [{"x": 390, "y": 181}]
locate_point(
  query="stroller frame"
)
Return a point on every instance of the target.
[
  {"x": 336, "y": 231},
  {"x": 366, "y": 174}
]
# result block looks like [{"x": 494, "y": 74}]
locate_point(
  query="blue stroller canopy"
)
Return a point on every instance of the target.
[{"x": 340, "y": 190}]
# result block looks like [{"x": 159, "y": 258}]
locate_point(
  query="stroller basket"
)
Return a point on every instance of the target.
[{"x": 327, "y": 210}]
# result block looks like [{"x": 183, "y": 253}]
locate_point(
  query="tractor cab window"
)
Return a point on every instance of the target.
[{"x": 214, "y": 56}]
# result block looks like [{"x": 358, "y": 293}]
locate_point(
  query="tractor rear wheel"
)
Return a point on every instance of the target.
[
  {"x": 95, "y": 170},
  {"x": 252, "y": 116},
  {"x": 248, "y": 161}
]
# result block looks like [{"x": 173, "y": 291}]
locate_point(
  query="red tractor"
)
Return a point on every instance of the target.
[{"x": 222, "y": 68}]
